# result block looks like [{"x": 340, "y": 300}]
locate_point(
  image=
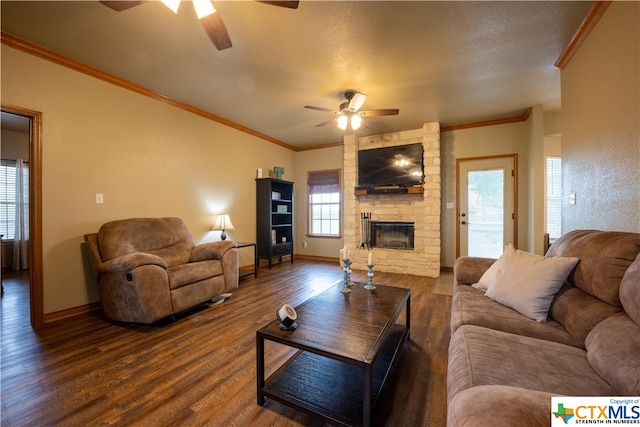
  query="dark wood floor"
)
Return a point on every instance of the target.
[{"x": 200, "y": 368}]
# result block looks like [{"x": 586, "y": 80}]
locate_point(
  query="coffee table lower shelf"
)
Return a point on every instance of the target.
[{"x": 332, "y": 388}]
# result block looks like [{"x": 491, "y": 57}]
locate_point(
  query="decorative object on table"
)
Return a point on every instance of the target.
[
  {"x": 278, "y": 171},
  {"x": 223, "y": 223},
  {"x": 370, "y": 286},
  {"x": 365, "y": 226},
  {"x": 346, "y": 267},
  {"x": 287, "y": 317}
]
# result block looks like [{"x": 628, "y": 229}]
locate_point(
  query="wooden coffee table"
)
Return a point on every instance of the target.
[{"x": 349, "y": 344}]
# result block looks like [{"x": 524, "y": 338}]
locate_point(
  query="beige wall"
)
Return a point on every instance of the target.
[
  {"x": 146, "y": 157},
  {"x": 536, "y": 174},
  {"x": 477, "y": 142},
  {"x": 600, "y": 121},
  {"x": 552, "y": 123},
  {"x": 314, "y": 160}
]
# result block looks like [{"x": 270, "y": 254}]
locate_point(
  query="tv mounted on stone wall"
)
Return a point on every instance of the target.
[{"x": 400, "y": 165}]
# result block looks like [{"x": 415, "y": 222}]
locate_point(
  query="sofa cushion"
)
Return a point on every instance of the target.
[
  {"x": 469, "y": 306},
  {"x": 528, "y": 282},
  {"x": 630, "y": 291},
  {"x": 185, "y": 274},
  {"x": 481, "y": 356},
  {"x": 497, "y": 406},
  {"x": 490, "y": 275},
  {"x": 604, "y": 258},
  {"x": 167, "y": 238},
  {"x": 578, "y": 312},
  {"x": 613, "y": 350},
  {"x": 613, "y": 346}
]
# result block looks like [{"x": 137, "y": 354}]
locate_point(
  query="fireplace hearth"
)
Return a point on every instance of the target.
[{"x": 392, "y": 234}]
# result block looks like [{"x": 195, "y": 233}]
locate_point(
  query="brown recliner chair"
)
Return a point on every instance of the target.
[{"x": 149, "y": 268}]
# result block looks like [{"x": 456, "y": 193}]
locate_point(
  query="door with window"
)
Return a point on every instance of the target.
[{"x": 486, "y": 196}]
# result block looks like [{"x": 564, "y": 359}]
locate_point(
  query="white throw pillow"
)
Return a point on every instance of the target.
[
  {"x": 489, "y": 276},
  {"x": 528, "y": 282}
]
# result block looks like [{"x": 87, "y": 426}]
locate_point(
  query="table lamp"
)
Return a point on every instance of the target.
[{"x": 223, "y": 223}]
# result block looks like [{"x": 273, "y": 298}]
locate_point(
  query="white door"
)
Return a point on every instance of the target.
[{"x": 486, "y": 206}]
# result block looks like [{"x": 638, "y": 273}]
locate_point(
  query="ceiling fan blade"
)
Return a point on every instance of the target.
[
  {"x": 357, "y": 101},
  {"x": 119, "y": 6},
  {"x": 216, "y": 30},
  {"x": 328, "y": 122},
  {"x": 311, "y": 107},
  {"x": 288, "y": 4},
  {"x": 383, "y": 112}
]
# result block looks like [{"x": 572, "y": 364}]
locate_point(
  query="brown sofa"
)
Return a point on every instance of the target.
[
  {"x": 149, "y": 268},
  {"x": 588, "y": 346}
]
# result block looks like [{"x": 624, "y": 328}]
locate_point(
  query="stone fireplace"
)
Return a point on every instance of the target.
[{"x": 398, "y": 215}]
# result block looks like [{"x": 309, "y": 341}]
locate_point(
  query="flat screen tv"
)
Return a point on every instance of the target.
[{"x": 400, "y": 165}]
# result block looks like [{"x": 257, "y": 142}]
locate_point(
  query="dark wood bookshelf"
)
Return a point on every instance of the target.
[{"x": 274, "y": 219}]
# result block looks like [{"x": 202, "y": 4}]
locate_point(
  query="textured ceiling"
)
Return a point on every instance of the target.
[{"x": 453, "y": 62}]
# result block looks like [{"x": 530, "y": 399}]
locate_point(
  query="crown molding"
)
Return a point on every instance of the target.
[
  {"x": 590, "y": 20},
  {"x": 521, "y": 118}
]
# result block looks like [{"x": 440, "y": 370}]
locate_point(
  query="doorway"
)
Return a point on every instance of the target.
[
  {"x": 36, "y": 300},
  {"x": 486, "y": 193}
]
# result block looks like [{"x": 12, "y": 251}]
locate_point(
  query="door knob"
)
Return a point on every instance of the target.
[{"x": 464, "y": 223}]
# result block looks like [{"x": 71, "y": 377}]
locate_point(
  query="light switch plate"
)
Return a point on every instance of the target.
[
  {"x": 572, "y": 198},
  {"x": 99, "y": 198}
]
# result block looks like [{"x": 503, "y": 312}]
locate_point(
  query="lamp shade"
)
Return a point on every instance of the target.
[{"x": 223, "y": 223}]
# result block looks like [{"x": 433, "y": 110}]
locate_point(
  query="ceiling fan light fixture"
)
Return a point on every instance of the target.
[
  {"x": 356, "y": 121},
  {"x": 203, "y": 8},
  {"x": 343, "y": 121},
  {"x": 172, "y": 4}
]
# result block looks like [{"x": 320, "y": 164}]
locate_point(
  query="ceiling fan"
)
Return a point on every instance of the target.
[
  {"x": 207, "y": 15},
  {"x": 349, "y": 112}
]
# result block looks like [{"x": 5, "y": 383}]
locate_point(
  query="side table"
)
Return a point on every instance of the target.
[{"x": 246, "y": 273}]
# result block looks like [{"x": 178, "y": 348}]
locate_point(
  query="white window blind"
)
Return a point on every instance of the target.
[
  {"x": 554, "y": 196},
  {"x": 324, "y": 203}
]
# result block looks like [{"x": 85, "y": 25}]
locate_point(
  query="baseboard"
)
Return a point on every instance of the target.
[
  {"x": 317, "y": 258},
  {"x": 71, "y": 312}
]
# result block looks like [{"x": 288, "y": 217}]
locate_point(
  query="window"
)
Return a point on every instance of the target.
[
  {"x": 7, "y": 198},
  {"x": 554, "y": 197},
  {"x": 324, "y": 203}
]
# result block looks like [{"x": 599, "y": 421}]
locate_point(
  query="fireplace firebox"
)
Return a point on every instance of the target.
[{"x": 392, "y": 234}]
